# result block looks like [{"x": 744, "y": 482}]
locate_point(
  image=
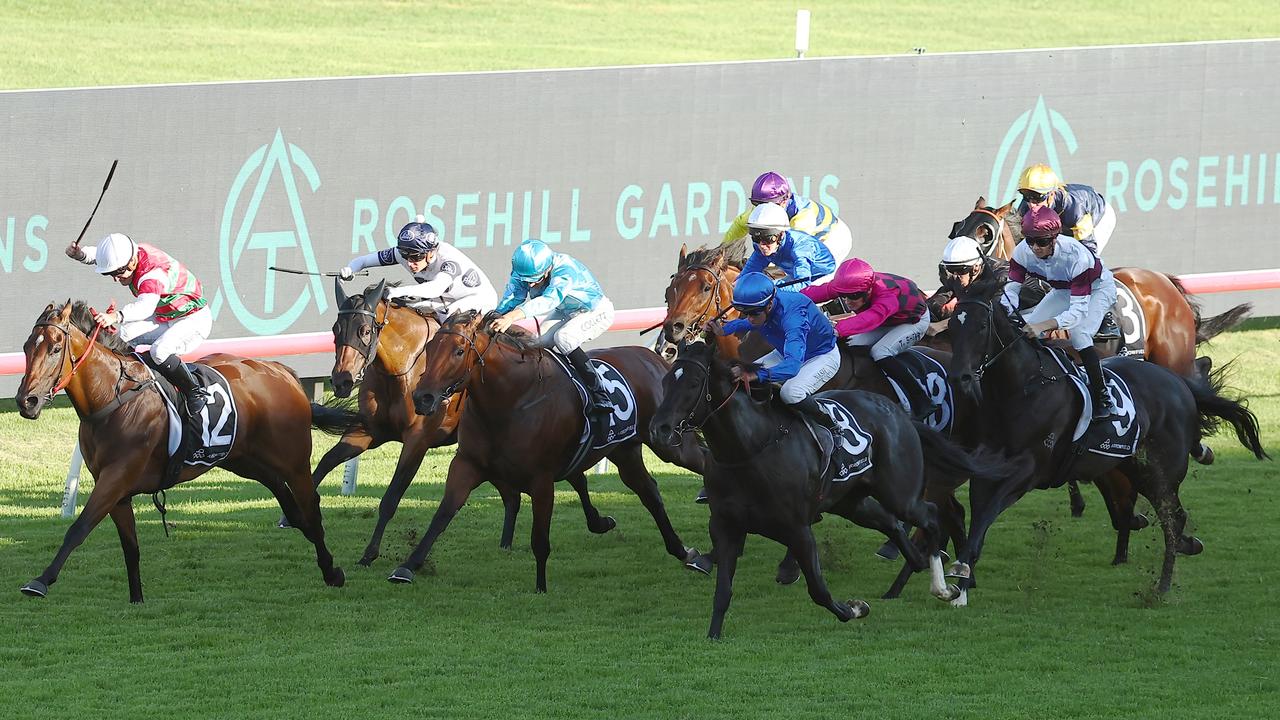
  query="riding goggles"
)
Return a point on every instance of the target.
[
  {"x": 751, "y": 311},
  {"x": 1041, "y": 241},
  {"x": 1033, "y": 197}
]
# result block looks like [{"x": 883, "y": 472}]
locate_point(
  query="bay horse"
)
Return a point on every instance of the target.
[
  {"x": 124, "y": 429},
  {"x": 520, "y": 427},
  {"x": 381, "y": 346},
  {"x": 1174, "y": 325},
  {"x": 767, "y": 475},
  {"x": 1023, "y": 403}
]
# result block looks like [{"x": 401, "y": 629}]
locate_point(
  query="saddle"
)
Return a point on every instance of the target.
[
  {"x": 601, "y": 431},
  {"x": 215, "y": 426}
]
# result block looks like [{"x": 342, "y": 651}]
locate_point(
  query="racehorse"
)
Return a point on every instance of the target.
[
  {"x": 124, "y": 430},
  {"x": 381, "y": 347},
  {"x": 1024, "y": 403},
  {"x": 521, "y": 424},
  {"x": 768, "y": 477}
]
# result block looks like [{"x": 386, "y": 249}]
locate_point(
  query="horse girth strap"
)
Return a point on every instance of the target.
[{"x": 120, "y": 400}]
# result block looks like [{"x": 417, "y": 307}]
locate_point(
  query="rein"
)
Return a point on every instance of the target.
[
  {"x": 989, "y": 361},
  {"x": 471, "y": 346},
  {"x": 686, "y": 425},
  {"x": 705, "y": 313},
  {"x": 75, "y": 364}
]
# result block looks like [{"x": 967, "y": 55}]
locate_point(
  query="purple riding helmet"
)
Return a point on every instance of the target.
[
  {"x": 1040, "y": 222},
  {"x": 770, "y": 187}
]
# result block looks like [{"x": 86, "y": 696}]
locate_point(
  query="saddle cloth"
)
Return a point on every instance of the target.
[
  {"x": 849, "y": 451},
  {"x": 1132, "y": 322},
  {"x": 218, "y": 419},
  {"x": 600, "y": 432},
  {"x": 1116, "y": 435},
  {"x": 931, "y": 376}
]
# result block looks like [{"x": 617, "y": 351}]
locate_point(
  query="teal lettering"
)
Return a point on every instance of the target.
[
  {"x": 1262, "y": 178},
  {"x": 730, "y": 187},
  {"x": 525, "y": 227},
  {"x": 698, "y": 209},
  {"x": 390, "y": 225},
  {"x": 461, "y": 219},
  {"x": 665, "y": 213},
  {"x": 1176, "y": 181},
  {"x": 1117, "y": 182},
  {"x": 499, "y": 218},
  {"x": 1236, "y": 180},
  {"x": 1152, "y": 168},
  {"x": 1203, "y": 181},
  {"x": 1275, "y": 180},
  {"x": 829, "y": 182},
  {"x": 629, "y": 231},
  {"x": 35, "y": 242},
  {"x": 435, "y": 202},
  {"x": 6, "y": 246},
  {"x": 575, "y": 233},
  {"x": 364, "y": 218},
  {"x": 547, "y": 235}
]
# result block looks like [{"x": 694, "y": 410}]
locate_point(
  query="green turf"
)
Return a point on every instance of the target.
[
  {"x": 59, "y": 44},
  {"x": 237, "y": 622}
]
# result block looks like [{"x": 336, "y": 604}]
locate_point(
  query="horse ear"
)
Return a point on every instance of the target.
[
  {"x": 684, "y": 251},
  {"x": 1001, "y": 212},
  {"x": 65, "y": 316},
  {"x": 982, "y": 203},
  {"x": 372, "y": 297},
  {"x": 338, "y": 292},
  {"x": 955, "y": 230}
]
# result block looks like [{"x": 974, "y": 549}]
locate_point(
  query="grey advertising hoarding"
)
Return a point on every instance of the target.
[{"x": 619, "y": 166}]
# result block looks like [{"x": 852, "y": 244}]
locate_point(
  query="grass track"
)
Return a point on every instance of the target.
[{"x": 237, "y": 621}]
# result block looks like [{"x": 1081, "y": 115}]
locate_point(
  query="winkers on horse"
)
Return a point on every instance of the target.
[
  {"x": 773, "y": 474},
  {"x": 124, "y": 431},
  {"x": 522, "y": 427},
  {"x": 1022, "y": 397}
]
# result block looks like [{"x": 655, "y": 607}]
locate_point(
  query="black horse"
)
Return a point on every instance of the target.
[
  {"x": 1022, "y": 399},
  {"x": 768, "y": 477}
]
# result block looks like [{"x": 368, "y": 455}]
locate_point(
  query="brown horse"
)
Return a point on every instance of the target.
[
  {"x": 382, "y": 347},
  {"x": 521, "y": 424},
  {"x": 124, "y": 429}
]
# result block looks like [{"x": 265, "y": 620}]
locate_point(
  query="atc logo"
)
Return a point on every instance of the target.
[
  {"x": 1039, "y": 123},
  {"x": 274, "y": 168}
]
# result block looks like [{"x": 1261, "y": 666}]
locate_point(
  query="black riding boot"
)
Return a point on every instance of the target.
[
  {"x": 921, "y": 404},
  {"x": 809, "y": 408},
  {"x": 600, "y": 403},
  {"x": 1109, "y": 330},
  {"x": 1102, "y": 404},
  {"x": 176, "y": 372}
]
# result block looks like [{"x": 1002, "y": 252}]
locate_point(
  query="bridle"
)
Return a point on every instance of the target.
[
  {"x": 75, "y": 364},
  {"x": 712, "y": 303},
  {"x": 453, "y": 387},
  {"x": 995, "y": 225},
  {"x": 121, "y": 395},
  {"x": 989, "y": 359},
  {"x": 686, "y": 424},
  {"x": 368, "y": 350}
]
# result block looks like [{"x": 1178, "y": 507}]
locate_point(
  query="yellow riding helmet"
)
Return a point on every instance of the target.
[{"x": 1039, "y": 178}]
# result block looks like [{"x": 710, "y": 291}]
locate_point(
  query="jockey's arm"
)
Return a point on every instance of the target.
[
  {"x": 792, "y": 352},
  {"x": 87, "y": 255},
  {"x": 141, "y": 308},
  {"x": 374, "y": 259},
  {"x": 431, "y": 289}
]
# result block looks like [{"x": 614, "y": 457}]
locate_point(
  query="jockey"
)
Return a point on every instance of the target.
[
  {"x": 801, "y": 256},
  {"x": 1084, "y": 213},
  {"x": 564, "y": 296},
  {"x": 890, "y": 316},
  {"x": 447, "y": 280},
  {"x": 169, "y": 314},
  {"x": 963, "y": 262},
  {"x": 1083, "y": 290},
  {"x": 805, "y": 354},
  {"x": 808, "y": 216}
]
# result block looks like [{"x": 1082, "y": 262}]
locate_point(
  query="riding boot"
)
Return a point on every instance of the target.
[
  {"x": 600, "y": 403},
  {"x": 1109, "y": 330},
  {"x": 177, "y": 373},
  {"x": 922, "y": 405},
  {"x": 1102, "y": 403},
  {"x": 808, "y": 407}
]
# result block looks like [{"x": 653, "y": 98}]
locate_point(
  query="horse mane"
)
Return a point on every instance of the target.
[
  {"x": 515, "y": 336},
  {"x": 83, "y": 320},
  {"x": 733, "y": 254}
]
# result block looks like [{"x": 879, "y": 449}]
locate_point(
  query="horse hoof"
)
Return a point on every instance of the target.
[
  {"x": 701, "y": 564},
  {"x": 1139, "y": 522},
  {"x": 607, "y": 523},
  {"x": 959, "y": 570},
  {"x": 1119, "y": 560},
  {"x": 283, "y": 524},
  {"x": 336, "y": 578},
  {"x": 860, "y": 609},
  {"x": 35, "y": 588},
  {"x": 1190, "y": 546},
  {"x": 962, "y": 600},
  {"x": 702, "y": 498},
  {"x": 401, "y": 576},
  {"x": 1206, "y": 455},
  {"x": 888, "y": 551},
  {"x": 950, "y": 594},
  {"x": 787, "y": 574}
]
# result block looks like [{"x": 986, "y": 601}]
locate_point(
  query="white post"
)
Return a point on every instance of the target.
[
  {"x": 349, "y": 472},
  {"x": 802, "y": 33},
  {"x": 72, "y": 490},
  {"x": 602, "y": 467}
]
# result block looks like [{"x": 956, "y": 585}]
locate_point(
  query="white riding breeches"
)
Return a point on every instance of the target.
[
  {"x": 567, "y": 334},
  {"x": 1057, "y": 301},
  {"x": 889, "y": 340},
  {"x": 1103, "y": 228},
  {"x": 178, "y": 337},
  {"x": 813, "y": 374},
  {"x": 839, "y": 241}
]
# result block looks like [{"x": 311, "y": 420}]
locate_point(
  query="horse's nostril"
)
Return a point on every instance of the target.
[{"x": 677, "y": 326}]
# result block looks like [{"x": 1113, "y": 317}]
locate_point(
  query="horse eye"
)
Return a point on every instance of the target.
[
  {"x": 459, "y": 352},
  {"x": 706, "y": 288},
  {"x": 55, "y": 349}
]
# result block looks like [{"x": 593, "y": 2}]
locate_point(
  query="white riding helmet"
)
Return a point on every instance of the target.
[
  {"x": 114, "y": 252},
  {"x": 769, "y": 216},
  {"x": 962, "y": 250}
]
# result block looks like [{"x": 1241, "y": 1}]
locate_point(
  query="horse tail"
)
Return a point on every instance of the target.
[
  {"x": 336, "y": 416},
  {"x": 1208, "y": 329},
  {"x": 949, "y": 457},
  {"x": 1213, "y": 408}
]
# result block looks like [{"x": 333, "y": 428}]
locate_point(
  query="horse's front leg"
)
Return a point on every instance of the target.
[
  {"x": 634, "y": 475},
  {"x": 126, "y": 526},
  {"x": 511, "y": 510},
  {"x": 543, "y": 496},
  {"x": 109, "y": 488},
  {"x": 411, "y": 454},
  {"x": 1077, "y": 500},
  {"x": 728, "y": 539},
  {"x": 464, "y": 477}
]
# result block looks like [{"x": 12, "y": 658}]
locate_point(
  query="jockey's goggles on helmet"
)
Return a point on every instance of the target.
[
  {"x": 765, "y": 237},
  {"x": 118, "y": 272},
  {"x": 414, "y": 256},
  {"x": 1033, "y": 197},
  {"x": 1041, "y": 241},
  {"x": 969, "y": 268},
  {"x": 751, "y": 311}
]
